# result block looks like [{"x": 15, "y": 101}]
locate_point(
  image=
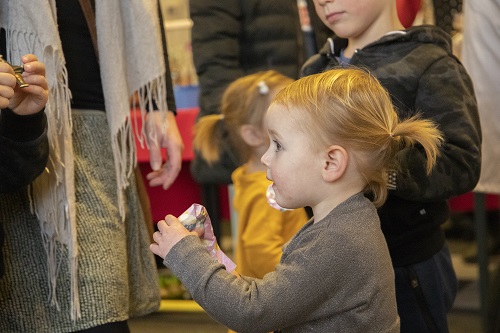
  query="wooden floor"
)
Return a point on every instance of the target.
[
  {"x": 460, "y": 321},
  {"x": 176, "y": 322}
]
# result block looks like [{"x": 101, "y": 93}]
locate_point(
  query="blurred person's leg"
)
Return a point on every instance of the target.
[
  {"x": 210, "y": 199},
  {"x": 425, "y": 293},
  {"x": 118, "y": 327}
]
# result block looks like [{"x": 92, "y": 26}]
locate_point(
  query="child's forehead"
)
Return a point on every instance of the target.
[
  {"x": 279, "y": 116},
  {"x": 284, "y": 123},
  {"x": 280, "y": 111}
]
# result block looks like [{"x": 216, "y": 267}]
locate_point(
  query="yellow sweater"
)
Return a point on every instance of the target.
[{"x": 262, "y": 230}]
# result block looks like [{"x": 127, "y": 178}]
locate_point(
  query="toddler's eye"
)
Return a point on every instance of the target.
[{"x": 278, "y": 145}]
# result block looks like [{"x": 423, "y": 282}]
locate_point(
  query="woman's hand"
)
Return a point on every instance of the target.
[
  {"x": 27, "y": 100},
  {"x": 163, "y": 174}
]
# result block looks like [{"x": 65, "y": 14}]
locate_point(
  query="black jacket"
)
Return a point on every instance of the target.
[
  {"x": 24, "y": 149},
  {"x": 422, "y": 76},
  {"x": 234, "y": 38}
]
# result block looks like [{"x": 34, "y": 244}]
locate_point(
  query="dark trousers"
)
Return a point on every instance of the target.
[
  {"x": 118, "y": 327},
  {"x": 211, "y": 201},
  {"x": 425, "y": 293},
  {"x": 494, "y": 303}
]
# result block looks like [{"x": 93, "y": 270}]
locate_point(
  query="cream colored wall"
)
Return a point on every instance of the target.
[{"x": 178, "y": 28}]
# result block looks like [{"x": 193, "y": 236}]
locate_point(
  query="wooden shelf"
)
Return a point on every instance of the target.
[{"x": 168, "y": 305}]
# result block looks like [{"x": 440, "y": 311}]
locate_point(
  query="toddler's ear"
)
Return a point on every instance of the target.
[
  {"x": 252, "y": 135},
  {"x": 335, "y": 163}
]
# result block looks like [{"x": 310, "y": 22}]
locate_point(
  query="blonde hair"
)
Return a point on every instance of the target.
[
  {"x": 245, "y": 101},
  {"x": 350, "y": 107}
]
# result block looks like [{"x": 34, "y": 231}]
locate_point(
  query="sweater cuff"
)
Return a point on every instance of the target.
[
  {"x": 189, "y": 260},
  {"x": 22, "y": 128}
]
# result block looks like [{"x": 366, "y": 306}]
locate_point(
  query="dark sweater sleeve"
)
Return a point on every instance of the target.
[
  {"x": 24, "y": 149},
  {"x": 216, "y": 48},
  {"x": 445, "y": 96}
]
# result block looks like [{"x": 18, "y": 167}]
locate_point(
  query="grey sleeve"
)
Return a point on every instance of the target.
[
  {"x": 296, "y": 292},
  {"x": 216, "y": 48}
]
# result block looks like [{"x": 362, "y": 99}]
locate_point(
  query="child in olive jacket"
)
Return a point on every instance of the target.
[{"x": 423, "y": 77}]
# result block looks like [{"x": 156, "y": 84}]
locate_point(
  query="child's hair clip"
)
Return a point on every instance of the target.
[{"x": 263, "y": 88}]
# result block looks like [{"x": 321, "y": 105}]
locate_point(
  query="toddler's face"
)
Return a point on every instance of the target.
[
  {"x": 350, "y": 18},
  {"x": 292, "y": 166}
]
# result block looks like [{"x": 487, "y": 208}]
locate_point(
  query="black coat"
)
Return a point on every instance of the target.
[
  {"x": 423, "y": 77},
  {"x": 24, "y": 149}
]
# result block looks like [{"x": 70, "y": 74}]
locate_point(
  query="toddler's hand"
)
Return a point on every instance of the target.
[{"x": 170, "y": 232}]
